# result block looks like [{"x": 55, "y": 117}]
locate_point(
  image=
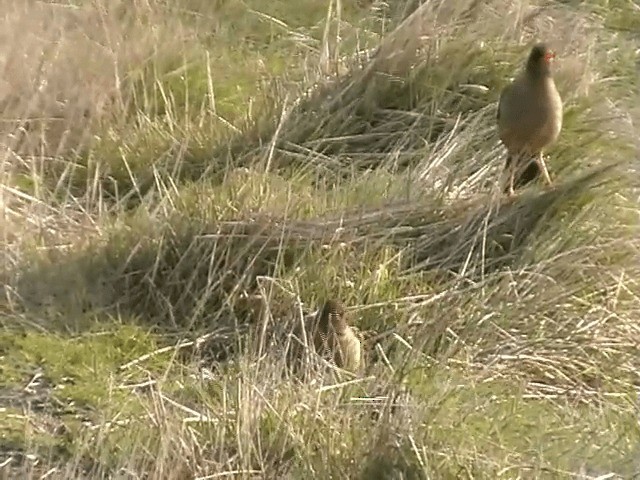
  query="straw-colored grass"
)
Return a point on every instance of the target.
[{"x": 165, "y": 165}]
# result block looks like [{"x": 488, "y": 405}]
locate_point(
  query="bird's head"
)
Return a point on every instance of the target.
[
  {"x": 333, "y": 315},
  {"x": 540, "y": 60}
]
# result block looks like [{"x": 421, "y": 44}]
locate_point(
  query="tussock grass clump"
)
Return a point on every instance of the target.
[
  {"x": 157, "y": 271},
  {"x": 183, "y": 184}
]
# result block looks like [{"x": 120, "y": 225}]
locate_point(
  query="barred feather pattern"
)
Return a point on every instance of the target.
[{"x": 335, "y": 339}]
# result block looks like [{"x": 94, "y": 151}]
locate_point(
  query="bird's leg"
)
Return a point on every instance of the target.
[
  {"x": 512, "y": 178},
  {"x": 513, "y": 170},
  {"x": 543, "y": 168},
  {"x": 509, "y": 178}
]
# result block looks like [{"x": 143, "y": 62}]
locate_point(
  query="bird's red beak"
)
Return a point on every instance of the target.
[{"x": 549, "y": 56}]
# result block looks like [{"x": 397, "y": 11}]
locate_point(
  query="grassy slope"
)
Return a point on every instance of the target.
[{"x": 143, "y": 128}]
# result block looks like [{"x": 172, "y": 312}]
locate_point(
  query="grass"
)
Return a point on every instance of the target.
[{"x": 165, "y": 162}]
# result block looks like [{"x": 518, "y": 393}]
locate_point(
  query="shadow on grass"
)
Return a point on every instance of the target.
[{"x": 186, "y": 274}]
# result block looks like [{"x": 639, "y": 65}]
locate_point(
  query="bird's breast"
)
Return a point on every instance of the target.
[{"x": 530, "y": 115}]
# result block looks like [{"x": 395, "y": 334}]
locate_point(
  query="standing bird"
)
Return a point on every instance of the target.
[
  {"x": 331, "y": 337},
  {"x": 529, "y": 119}
]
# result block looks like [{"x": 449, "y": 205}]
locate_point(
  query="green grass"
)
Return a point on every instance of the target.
[{"x": 168, "y": 161}]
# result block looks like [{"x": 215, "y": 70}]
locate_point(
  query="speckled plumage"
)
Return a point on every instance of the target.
[
  {"x": 336, "y": 339},
  {"x": 332, "y": 337}
]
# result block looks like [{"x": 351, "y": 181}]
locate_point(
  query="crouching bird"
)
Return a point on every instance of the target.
[
  {"x": 529, "y": 119},
  {"x": 329, "y": 334}
]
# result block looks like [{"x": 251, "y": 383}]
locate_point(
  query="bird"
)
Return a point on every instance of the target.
[
  {"x": 335, "y": 338},
  {"x": 332, "y": 338},
  {"x": 529, "y": 119}
]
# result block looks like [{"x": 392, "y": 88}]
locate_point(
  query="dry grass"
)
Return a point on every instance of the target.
[{"x": 165, "y": 164}]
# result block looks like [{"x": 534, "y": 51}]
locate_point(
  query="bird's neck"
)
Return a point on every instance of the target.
[
  {"x": 537, "y": 73},
  {"x": 541, "y": 81},
  {"x": 339, "y": 325}
]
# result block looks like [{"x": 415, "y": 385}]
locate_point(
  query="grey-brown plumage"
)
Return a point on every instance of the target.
[
  {"x": 332, "y": 337},
  {"x": 529, "y": 119}
]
